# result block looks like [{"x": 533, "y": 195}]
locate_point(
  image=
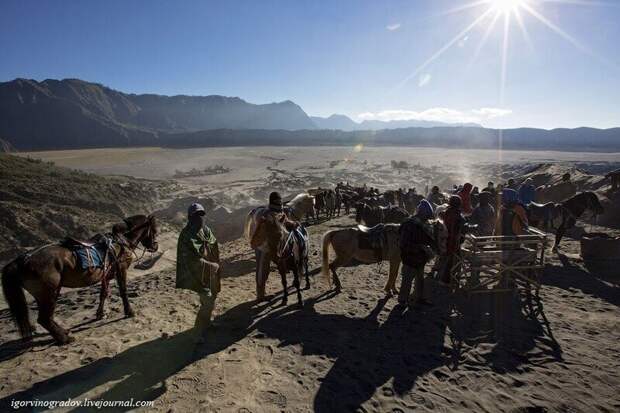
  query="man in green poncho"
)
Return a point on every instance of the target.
[{"x": 198, "y": 264}]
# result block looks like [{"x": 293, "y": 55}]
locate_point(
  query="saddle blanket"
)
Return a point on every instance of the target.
[{"x": 90, "y": 257}]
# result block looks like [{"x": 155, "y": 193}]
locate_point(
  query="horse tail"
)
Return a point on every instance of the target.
[
  {"x": 14, "y": 295},
  {"x": 327, "y": 238}
]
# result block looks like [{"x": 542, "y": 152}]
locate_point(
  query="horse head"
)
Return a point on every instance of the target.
[
  {"x": 140, "y": 229},
  {"x": 593, "y": 203}
]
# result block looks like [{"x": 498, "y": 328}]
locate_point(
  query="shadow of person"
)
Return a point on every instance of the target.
[
  {"x": 141, "y": 371},
  {"x": 570, "y": 276},
  {"x": 368, "y": 353}
]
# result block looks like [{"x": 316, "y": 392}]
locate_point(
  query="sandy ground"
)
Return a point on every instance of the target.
[{"x": 342, "y": 352}]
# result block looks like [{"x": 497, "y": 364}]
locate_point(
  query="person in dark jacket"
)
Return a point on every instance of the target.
[
  {"x": 455, "y": 223},
  {"x": 198, "y": 264},
  {"x": 484, "y": 215},
  {"x": 527, "y": 192},
  {"x": 416, "y": 249}
]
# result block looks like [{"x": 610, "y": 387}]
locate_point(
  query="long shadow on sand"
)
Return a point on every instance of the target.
[
  {"x": 570, "y": 276},
  {"x": 141, "y": 371},
  {"x": 407, "y": 345}
]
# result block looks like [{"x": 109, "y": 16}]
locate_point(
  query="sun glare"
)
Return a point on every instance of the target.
[
  {"x": 506, "y": 11},
  {"x": 506, "y": 6}
]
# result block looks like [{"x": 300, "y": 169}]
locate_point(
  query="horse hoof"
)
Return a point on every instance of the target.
[
  {"x": 100, "y": 316},
  {"x": 130, "y": 314},
  {"x": 300, "y": 305},
  {"x": 65, "y": 341}
]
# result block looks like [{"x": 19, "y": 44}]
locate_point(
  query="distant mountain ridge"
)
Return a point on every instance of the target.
[
  {"x": 68, "y": 113},
  {"x": 73, "y": 114},
  {"x": 345, "y": 123}
]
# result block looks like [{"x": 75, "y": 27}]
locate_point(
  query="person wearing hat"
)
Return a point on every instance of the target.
[
  {"x": 512, "y": 218},
  {"x": 527, "y": 192},
  {"x": 455, "y": 223},
  {"x": 198, "y": 264},
  {"x": 417, "y": 247},
  {"x": 276, "y": 210}
]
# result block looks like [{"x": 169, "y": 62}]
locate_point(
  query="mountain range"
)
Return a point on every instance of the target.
[
  {"x": 72, "y": 113},
  {"x": 345, "y": 123}
]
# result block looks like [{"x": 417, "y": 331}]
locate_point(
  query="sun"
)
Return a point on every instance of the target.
[{"x": 506, "y": 6}]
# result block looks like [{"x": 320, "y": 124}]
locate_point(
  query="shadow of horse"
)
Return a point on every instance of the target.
[
  {"x": 407, "y": 345},
  {"x": 570, "y": 276},
  {"x": 368, "y": 353},
  {"x": 140, "y": 372}
]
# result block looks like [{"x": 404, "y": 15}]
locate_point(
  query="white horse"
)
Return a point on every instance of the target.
[{"x": 301, "y": 206}]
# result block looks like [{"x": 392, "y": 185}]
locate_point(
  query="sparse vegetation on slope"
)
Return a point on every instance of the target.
[{"x": 40, "y": 202}]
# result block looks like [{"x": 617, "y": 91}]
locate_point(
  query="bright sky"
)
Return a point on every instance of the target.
[{"x": 366, "y": 59}]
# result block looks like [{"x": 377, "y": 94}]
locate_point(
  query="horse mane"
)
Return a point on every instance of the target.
[
  {"x": 300, "y": 198},
  {"x": 131, "y": 222}
]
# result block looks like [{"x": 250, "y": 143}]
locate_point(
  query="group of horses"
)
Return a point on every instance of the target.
[
  {"x": 44, "y": 271},
  {"x": 282, "y": 247}
]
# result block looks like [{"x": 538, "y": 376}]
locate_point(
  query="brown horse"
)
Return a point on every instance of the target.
[
  {"x": 348, "y": 244},
  {"x": 572, "y": 209},
  {"x": 372, "y": 216},
  {"x": 281, "y": 243},
  {"x": 45, "y": 270}
]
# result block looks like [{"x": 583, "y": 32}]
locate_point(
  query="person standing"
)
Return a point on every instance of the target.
[
  {"x": 198, "y": 264},
  {"x": 527, "y": 192},
  {"x": 465, "y": 195},
  {"x": 455, "y": 223},
  {"x": 274, "y": 210},
  {"x": 484, "y": 215},
  {"x": 512, "y": 217},
  {"x": 416, "y": 249}
]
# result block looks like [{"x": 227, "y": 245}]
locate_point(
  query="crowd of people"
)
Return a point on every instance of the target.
[{"x": 493, "y": 210}]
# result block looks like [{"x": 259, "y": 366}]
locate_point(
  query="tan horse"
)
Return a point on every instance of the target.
[
  {"x": 44, "y": 271},
  {"x": 346, "y": 245}
]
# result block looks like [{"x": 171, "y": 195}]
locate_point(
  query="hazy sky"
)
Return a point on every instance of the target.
[{"x": 365, "y": 59}]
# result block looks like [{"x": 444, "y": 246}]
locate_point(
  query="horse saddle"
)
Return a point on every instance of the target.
[
  {"x": 537, "y": 205},
  {"x": 90, "y": 253},
  {"x": 71, "y": 242},
  {"x": 372, "y": 238}
]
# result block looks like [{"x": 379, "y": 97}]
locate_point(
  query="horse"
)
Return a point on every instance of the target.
[
  {"x": 320, "y": 203},
  {"x": 572, "y": 209},
  {"x": 372, "y": 216},
  {"x": 346, "y": 245},
  {"x": 348, "y": 200},
  {"x": 45, "y": 270},
  {"x": 544, "y": 216},
  {"x": 330, "y": 203},
  {"x": 301, "y": 206},
  {"x": 281, "y": 245}
]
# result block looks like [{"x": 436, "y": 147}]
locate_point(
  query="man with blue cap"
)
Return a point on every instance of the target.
[
  {"x": 416, "y": 249},
  {"x": 198, "y": 264}
]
